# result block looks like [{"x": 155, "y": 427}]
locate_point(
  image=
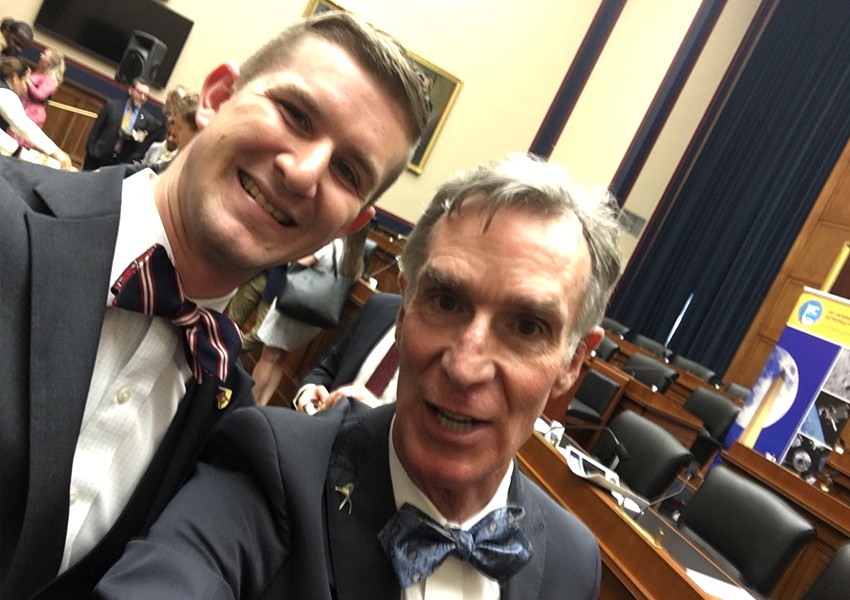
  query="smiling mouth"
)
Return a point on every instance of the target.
[
  {"x": 452, "y": 421},
  {"x": 249, "y": 186}
]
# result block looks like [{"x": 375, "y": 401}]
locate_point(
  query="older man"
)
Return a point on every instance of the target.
[
  {"x": 117, "y": 365},
  {"x": 505, "y": 279}
]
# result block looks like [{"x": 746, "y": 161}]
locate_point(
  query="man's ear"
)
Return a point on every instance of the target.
[
  {"x": 360, "y": 221},
  {"x": 570, "y": 370},
  {"x": 218, "y": 87}
]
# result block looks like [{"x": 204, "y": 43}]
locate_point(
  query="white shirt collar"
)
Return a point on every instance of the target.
[{"x": 140, "y": 227}]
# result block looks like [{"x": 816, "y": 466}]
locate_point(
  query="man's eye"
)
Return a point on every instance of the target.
[
  {"x": 529, "y": 327},
  {"x": 445, "y": 302},
  {"x": 296, "y": 116},
  {"x": 347, "y": 173}
]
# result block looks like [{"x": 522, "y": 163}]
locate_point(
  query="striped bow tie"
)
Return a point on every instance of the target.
[
  {"x": 151, "y": 286},
  {"x": 416, "y": 545}
]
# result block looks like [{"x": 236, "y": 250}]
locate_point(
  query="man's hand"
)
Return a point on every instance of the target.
[
  {"x": 312, "y": 396},
  {"x": 352, "y": 390}
]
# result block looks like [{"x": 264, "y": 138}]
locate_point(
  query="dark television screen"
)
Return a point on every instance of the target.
[{"x": 103, "y": 27}]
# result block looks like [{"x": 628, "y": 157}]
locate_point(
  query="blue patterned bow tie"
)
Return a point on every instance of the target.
[
  {"x": 416, "y": 544},
  {"x": 151, "y": 286}
]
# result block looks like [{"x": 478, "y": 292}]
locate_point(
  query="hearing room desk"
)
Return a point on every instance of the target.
[{"x": 634, "y": 565}]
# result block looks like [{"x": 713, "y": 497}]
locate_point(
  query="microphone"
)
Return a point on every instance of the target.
[{"x": 617, "y": 454}]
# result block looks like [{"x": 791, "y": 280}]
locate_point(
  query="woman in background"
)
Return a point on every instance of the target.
[
  {"x": 13, "y": 82},
  {"x": 42, "y": 84}
]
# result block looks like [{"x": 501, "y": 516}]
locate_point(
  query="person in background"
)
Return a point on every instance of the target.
[
  {"x": 504, "y": 280},
  {"x": 14, "y": 75},
  {"x": 42, "y": 84},
  {"x": 182, "y": 127},
  {"x": 108, "y": 396},
  {"x": 119, "y": 129},
  {"x": 363, "y": 365},
  {"x": 17, "y": 36},
  {"x": 281, "y": 334}
]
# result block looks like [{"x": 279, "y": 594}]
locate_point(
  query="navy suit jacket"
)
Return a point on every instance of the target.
[
  {"x": 57, "y": 238},
  {"x": 341, "y": 365},
  {"x": 263, "y": 518}
]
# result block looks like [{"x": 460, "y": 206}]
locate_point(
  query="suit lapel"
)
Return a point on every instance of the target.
[
  {"x": 526, "y": 583},
  {"x": 361, "y": 570},
  {"x": 68, "y": 296}
]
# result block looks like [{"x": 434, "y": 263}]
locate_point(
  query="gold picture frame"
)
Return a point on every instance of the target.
[{"x": 443, "y": 93}]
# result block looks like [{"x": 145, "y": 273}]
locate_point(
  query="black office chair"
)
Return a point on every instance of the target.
[
  {"x": 369, "y": 248},
  {"x": 834, "y": 582},
  {"x": 717, "y": 413},
  {"x": 593, "y": 397},
  {"x": 653, "y": 457},
  {"x": 693, "y": 367},
  {"x": 614, "y": 327},
  {"x": 737, "y": 390},
  {"x": 650, "y": 372},
  {"x": 653, "y": 346},
  {"x": 606, "y": 349},
  {"x": 744, "y": 527}
]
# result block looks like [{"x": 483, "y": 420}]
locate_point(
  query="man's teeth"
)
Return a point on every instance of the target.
[
  {"x": 251, "y": 187},
  {"x": 454, "y": 422}
]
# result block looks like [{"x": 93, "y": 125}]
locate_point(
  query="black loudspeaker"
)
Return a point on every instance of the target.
[{"x": 141, "y": 58}]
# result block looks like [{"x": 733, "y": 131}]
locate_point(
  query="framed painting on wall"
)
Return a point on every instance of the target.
[{"x": 443, "y": 91}]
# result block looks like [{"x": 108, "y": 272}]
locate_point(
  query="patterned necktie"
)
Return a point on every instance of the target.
[
  {"x": 416, "y": 544},
  {"x": 151, "y": 286}
]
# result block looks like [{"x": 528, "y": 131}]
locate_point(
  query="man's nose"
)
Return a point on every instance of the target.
[
  {"x": 469, "y": 360},
  {"x": 303, "y": 165}
]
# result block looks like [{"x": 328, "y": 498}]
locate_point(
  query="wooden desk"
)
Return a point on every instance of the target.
[
  {"x": 684, "y": 385},
  {"x": 662, "y": 410},
  {"x": 633, "y": 564}
]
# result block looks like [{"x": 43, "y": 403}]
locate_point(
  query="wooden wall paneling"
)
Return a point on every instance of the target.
[{"x": 69, "y": 129}]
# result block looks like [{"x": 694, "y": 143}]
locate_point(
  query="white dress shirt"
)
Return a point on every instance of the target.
[
  {"x": 367, "y": 369},
  {"x": 454, "y": 579},
  {"x": 139, "y": 378}
]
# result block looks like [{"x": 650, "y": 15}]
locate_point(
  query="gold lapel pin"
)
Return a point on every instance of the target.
[
  {"x": 346, "y": 491},
  {"x": 222, "y": 397}
]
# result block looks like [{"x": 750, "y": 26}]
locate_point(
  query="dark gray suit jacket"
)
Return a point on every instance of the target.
[
  {"x": 57, "y": 236},
  {"x": 341, "y": 365},
  {"x": 262, "y": 519}
]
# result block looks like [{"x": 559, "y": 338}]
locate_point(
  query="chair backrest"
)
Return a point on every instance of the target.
[
  {"x": 744, "y": 526},
  {"x": 738, "y": 390},
  {"x": 834, "y": 582},
  {"x": 653, "y": 346},
  {"x": 614, "y": 327},
  {"x": 654, "y": 459},
  {"x": 606, "y": 349},
  {"x": 649, "y": 371},
  {"x": 716, "y": 411},
  {"x": 595, "y": 393},
  {"x": 693, "y": 367},
  {"x": 369, "y": 248}
]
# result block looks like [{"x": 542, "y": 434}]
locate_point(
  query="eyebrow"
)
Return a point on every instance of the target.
[
  {"x": 364, "y": 160},
  {"x": 549, "y": 308}
]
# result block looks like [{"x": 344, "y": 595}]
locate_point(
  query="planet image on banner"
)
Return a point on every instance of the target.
[{"x": 780, "y": 365}]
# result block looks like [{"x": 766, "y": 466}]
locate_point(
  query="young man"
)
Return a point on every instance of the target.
[
  {"x": 106, "y": 409},
  {"x": 505, "y": 280}
]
